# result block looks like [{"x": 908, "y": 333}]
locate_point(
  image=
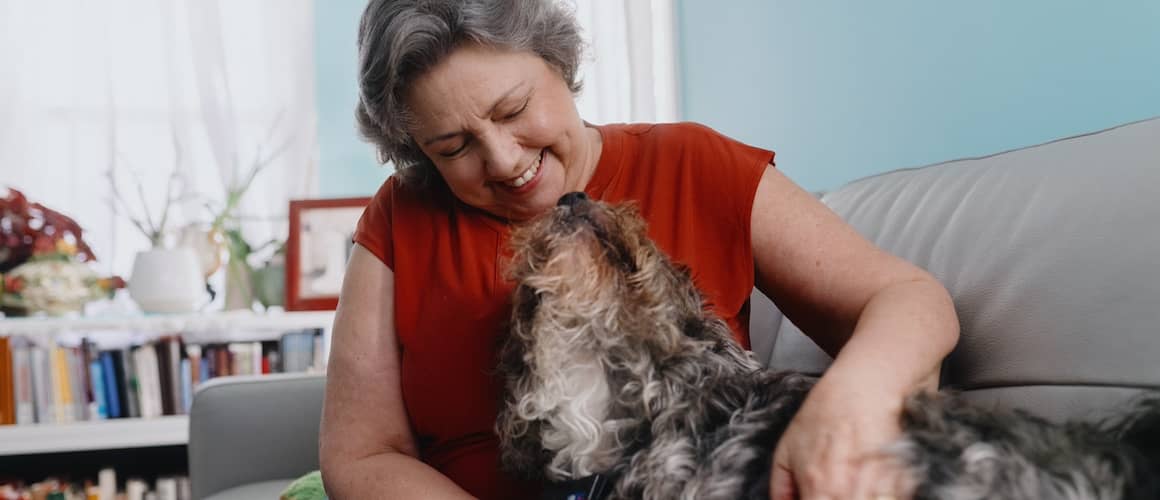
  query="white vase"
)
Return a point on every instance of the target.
[{"x": 167, "y": 280}]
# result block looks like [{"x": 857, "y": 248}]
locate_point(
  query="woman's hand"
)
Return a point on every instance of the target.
[{"x": 832, "y": 448}]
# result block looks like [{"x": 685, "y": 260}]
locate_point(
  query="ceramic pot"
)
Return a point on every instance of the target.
[{"x": 167, "y": 280}]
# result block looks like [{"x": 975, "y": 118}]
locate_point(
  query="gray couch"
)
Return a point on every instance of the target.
[{"x": 1052, "y": 255}]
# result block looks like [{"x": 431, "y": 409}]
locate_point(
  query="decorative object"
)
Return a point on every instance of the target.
[
  {"x": 53, "y": 286},
  {"x": 270, "y": 280},
  {"x": 209, "y": 245},
  {"x": 155, "y": 230},
  {"x": 28, "y": 228},
  {"x": 45, "y": 261},
  {"x": 167, "y": 280},
  {"x": 317, "y": 249},
  {"x": 239, "y": 293}
]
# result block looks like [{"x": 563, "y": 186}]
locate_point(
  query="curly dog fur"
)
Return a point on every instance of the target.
[{"x": 614, "y": 365}]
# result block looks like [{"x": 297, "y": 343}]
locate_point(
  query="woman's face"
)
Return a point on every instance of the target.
[{"x": 502, "y": 129}]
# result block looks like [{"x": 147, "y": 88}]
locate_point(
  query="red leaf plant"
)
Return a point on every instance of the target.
[{"x": 28, "y": 229}]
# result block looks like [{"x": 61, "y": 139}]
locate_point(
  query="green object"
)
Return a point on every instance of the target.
[
  {"x": 308, "y": 487},
  {"x": 270, "y": 284}
]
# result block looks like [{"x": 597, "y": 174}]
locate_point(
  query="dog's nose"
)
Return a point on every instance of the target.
[{"x": 571, "y": 199}]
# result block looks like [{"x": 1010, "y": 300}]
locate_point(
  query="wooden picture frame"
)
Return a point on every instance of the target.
[{"x": 317, "y": 249}]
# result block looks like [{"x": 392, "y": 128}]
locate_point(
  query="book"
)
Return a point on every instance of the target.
[
  {"x": 256, "y": 359},
  {"x": 297, "y": 351},
  {"x": 162, "y": 350},
  {"x": 222, "y": 366},
  {"x": 272, "y": 356},
  {"x": 97, "y": 379},
  {"x": 119, "y": 378},
  {"x": 96, "y": 403},
  {"x": 129, "y": 380},
  {"x": 107, "y": 483},
  {"x": 318, "y": 359},
  {"x": 149, "y": 383},
  {"x": 61, "y": 386},
  {"x": 135, "y": 489},
  {"x": 78, "y": 375},
  {"x": 112, "y": 396},
  {"x": 22, "y": 382},
  {"x": 166, "y": 488},
  {"x": 7, "y": 384},
  {"x": 41, "y": 390},
  {"x": 176, "y": 354},
  {"x": 240, "y": 358},
  {"x": 186, "y": 385},
  {"x": 193, "y": 353}
]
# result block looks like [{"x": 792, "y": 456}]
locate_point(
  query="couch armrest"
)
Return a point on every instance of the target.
[{"x": 245, "y": 430}]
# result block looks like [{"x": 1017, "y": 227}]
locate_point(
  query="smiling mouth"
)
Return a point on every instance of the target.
[{"x": 526, "y": 175}]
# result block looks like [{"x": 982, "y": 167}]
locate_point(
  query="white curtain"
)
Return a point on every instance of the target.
[
  {"x": 630, "y": 67},
  {"x": 146, "y": 88}
]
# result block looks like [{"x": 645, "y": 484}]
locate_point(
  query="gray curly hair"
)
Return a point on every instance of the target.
[{"x": 399, "y": 40}]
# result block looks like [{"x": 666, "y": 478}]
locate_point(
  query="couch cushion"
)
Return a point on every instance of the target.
[{"x": 1052, "y": 255}]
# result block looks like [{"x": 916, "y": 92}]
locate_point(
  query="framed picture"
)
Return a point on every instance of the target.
[{"x": 317, "y": 249}]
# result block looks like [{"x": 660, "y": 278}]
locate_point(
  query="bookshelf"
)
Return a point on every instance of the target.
[
  {"x": 147, "y": 444},
  {"x": 94, "y": 435},
  {"x": 197, "y": 324}
]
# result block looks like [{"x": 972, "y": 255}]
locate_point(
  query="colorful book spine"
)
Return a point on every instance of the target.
[
  {"x": 186, "y": 385},
  {"x": 41, "y": 388},
  {"x": 97, "y": 378},
  {"x": 61, "y": 390},
  {"x": 112, "y": 396},
  {"x": 23, "y": 384}
]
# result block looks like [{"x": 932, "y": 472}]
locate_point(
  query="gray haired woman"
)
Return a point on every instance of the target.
[{"x": 473, "y": 103}]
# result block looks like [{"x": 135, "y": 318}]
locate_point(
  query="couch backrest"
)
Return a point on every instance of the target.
[
  {"x": 250, "y": 429},
  {"x": 1052, "y": 255}
]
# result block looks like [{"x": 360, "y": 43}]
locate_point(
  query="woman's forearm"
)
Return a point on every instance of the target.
[
  {"x": 388, "y": 475},
  {"x": 900, "y": 339}
]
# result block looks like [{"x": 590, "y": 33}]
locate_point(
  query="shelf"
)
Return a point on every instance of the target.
[
  {"x": 95, "y": 435},
  {"x": 185, "y": 323}
]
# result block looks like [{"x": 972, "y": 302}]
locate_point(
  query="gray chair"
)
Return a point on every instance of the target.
[{"x": 250, "y": 437}]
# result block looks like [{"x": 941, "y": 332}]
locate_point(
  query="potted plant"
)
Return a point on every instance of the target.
[
  {"x": 165, "y": 278},
  {"x": 45, "y": 261}
]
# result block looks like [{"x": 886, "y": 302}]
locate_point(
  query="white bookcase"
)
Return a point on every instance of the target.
[{"x": 130, "y": 433}]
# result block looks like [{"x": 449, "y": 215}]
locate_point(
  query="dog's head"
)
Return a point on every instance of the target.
[
  {"x": 589, "y": 265},
  {"x": 607, "y": 332}
]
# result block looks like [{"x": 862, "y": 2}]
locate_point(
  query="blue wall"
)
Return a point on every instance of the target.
[
  {"x": 347, "y": 165},
  {"x": 845, "y": 89}
]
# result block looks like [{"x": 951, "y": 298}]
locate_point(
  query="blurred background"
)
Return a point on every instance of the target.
[
  {"x": 153, "y": 122},
  {"x": 183, "y": 175}
]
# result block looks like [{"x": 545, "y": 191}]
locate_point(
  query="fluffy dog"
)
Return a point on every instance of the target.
[{"x": 614, "y": 366}]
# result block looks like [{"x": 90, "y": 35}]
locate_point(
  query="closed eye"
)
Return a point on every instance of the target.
[
  {"x": 456, "y": 151},
  {"x": 514, "y": 114}
]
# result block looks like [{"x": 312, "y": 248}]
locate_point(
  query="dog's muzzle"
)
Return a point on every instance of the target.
[{"x": 571, "y": 199}]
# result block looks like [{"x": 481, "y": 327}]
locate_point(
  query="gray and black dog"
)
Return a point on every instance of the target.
[{"x": 614, "y": 366}]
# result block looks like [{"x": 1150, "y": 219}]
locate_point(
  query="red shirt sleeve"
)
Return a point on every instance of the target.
[{"x": 374, "y": 227}]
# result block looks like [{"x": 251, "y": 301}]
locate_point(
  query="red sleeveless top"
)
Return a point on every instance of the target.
[{"x": 695, "y": 188}]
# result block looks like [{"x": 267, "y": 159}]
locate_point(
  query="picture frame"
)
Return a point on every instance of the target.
[{"x": 318, "y": 247}]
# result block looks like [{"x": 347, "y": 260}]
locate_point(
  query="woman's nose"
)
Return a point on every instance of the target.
[{"x": 502, "y": 154}]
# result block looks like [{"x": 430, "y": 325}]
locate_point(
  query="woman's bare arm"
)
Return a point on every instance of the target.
[{"x": 366, "y": 446}]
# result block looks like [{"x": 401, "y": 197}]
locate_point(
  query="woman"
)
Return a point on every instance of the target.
[{"x": 473, "y": 102}]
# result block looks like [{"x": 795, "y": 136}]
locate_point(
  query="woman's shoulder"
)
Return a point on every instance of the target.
[
  {"x": 400, "y": 193},
  {"x": 663, "y": 131},
  {"x": 677, "y": 138}
]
